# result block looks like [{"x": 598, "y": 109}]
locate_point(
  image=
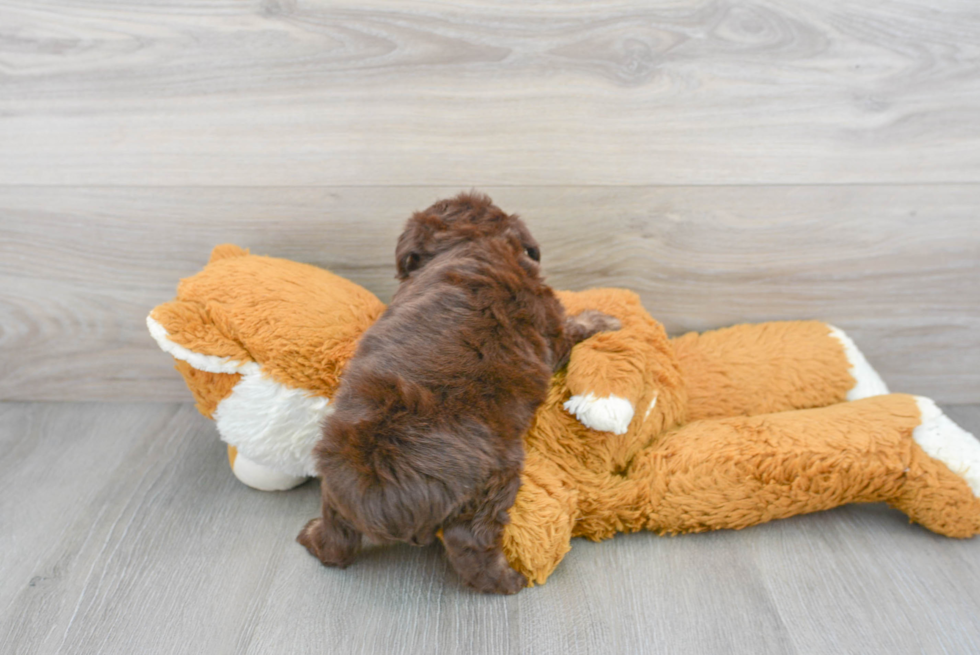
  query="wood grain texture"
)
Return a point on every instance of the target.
[
  {"x": 897, "y": 267},
  {"x": 822, "y": 160},
  {"x": 125, "y": 532},
  {"x": 294, "y": 92}
]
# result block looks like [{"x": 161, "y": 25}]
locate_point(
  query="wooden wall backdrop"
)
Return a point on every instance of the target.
[{"x": 730, "y": 161}]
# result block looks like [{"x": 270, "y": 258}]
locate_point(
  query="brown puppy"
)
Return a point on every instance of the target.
[{"x": 428, "y": 420}]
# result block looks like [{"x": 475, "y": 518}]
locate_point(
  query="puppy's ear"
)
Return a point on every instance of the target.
[
  {"x": 408, "y": 257},
  {"x": 408, "y": 264},
  {"x": 422, "y": 239}
]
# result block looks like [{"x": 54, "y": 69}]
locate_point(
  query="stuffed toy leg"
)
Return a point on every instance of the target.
[
  {"x": 741, "y": 370},
  {"x": 737, "y": 472},
  {"x": 739, "y": 426}
]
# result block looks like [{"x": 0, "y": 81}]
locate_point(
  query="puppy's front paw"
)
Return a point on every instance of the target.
[
  {"x": 510, "y": 582},
  {"x": 315, "y": 538},
  {"x": 504, "y": 580}
]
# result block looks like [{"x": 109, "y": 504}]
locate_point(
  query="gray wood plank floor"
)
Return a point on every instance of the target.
[{"x": 123, "y": 531}]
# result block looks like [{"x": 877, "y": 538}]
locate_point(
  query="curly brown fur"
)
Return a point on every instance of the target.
[{"x": 428, "y": 420}]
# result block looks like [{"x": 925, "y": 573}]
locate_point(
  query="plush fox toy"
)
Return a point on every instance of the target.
[{"x": 724, "y": 429}]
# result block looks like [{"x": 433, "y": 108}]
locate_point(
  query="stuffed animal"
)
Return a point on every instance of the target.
[{"x": 724, "y": 429}]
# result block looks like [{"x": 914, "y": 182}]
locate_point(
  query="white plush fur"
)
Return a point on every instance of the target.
[
  {"x": 264, "y": 478},
  {"x": 942, "y": 439},
  {"x": 653, "y": 403},
  {"x": 867, "y": 381},
  {"x": 272, "y": 424},
  {"x": 608, "y": 414}
]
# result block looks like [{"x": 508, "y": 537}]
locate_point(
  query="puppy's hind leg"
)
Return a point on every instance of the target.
[
  {"x": 331, "y": 538},
  {"x": 475, "y": 553},
  {"x": 474, "y": 541}
]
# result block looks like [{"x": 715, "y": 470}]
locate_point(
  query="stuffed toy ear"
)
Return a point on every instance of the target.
[
  {"x": 186, "y": 331},
  {"x": 225, "y": 251},
  {"x": 209, "y": 362}
]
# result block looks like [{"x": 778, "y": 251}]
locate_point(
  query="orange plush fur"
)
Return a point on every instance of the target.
[{"x": 729, "y": 428}]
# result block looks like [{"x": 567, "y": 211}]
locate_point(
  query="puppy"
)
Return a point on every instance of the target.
[{"x": 426, "y": 434}]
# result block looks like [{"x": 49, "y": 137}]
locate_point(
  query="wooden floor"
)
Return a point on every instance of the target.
[{"x": 123, "y": 531}]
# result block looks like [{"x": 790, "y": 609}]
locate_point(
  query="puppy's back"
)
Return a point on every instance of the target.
[
  {"x": 435, "y": 401},
  {"x": 398, "y": 480}
]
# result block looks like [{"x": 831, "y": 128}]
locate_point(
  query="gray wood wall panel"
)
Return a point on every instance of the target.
[
  {"x": 124, "y": 532},
  {"x": 728, "y": 161},
  {"x": 289, "y": 92},
  {"x": 897, "y": 267}
]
